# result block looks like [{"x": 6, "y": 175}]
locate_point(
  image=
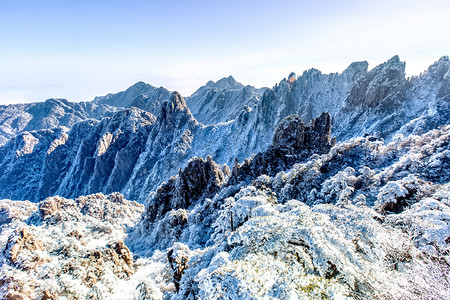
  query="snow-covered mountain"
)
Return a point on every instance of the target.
[
  {"x": 141, "y": 95},
  {"x": 133, "y": 152},
  {"x": 17, "y": 118},
  {"x": 384, "y": 100},
  {"x": 326, "y": 186},
  {"x": 362, "y": 219},
  {"x": 222, "y": 101}
]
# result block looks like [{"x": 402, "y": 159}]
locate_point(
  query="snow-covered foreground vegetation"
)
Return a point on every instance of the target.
[{"x": 367, "y": 220}]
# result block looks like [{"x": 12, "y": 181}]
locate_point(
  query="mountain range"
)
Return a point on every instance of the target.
[
  {"x": 325, "y": 186},
  {"x": 132, "y": 141}
]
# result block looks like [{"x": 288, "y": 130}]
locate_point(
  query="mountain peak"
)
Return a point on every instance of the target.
[
  {"x": 439, "y": 69},
  {"x": 174, "y": 106},
  {"x": 139, "y": 84},
  {"x": 176, "y": 100},
  {"x": 292, "y": 77},
  {"x": 394, "y": 59},
  {"x": 225, "y": 83}
]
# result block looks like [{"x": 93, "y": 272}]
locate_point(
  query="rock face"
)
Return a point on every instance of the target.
[
  {"x": 76, "y": 244},
  {"x": 93, "y": 156},
  {"x": 200, "y": 178},
  {"x": 384, "y": 100},
  {"x": 17, "y": 118},
  {"x": 291, "y": 133},
  {"x": 292, "y": 142}
]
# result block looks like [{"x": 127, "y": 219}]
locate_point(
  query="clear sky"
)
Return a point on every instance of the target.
[{"x": 80, "y": 49}]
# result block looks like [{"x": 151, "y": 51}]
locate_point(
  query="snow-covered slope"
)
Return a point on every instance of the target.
[
  {"x": 141, "y": 95},
  {"x": 17, "y": 118},
  {"x": 384, "y": 100},
  {"x": 93, "y": 156},
  {"x": 364, "y": 219},
  {"x": 133, "y": 152},
  {"x": 221, "y": 101}
]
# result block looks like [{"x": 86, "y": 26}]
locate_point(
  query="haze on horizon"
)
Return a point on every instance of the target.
[{"x": 82, "y": 49}]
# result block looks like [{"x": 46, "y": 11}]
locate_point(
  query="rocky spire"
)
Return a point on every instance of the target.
[
  {"x": 200, "y": 178},
  {"x": 174, "y": 111},
  {"x": 292, "y": 143}
]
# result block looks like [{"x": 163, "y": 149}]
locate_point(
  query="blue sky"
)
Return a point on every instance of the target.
[{"x": 79, "y": 49}]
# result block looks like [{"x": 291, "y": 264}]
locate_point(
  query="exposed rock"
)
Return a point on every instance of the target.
[
  {"x": 150, "y": 102},
  {"x": 292, "y": 143},
  {"x": 178, "y": 259},
  {"x": 23, "y": 240},
  {"x": 200, "y": 178},
  {"x": 292, "y": 77}
]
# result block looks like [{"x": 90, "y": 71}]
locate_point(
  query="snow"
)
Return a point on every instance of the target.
[{"x": 368, "y": 220}]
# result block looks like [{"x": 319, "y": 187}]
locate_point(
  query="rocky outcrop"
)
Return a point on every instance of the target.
[
  {"x": 22, "y": 240},
  {"x": 292, "y": 143},
  {"x": 291, "y": 133},
  {"x": 199, "y": 178}
]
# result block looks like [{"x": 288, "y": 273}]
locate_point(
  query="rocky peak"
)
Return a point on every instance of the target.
[
  {"x": 176, "y": 103},
  {"x": 175, "y": 111},
  {"x": 379, "y": 86},
  {"x": 199, "y": 178},
  {"x": 439, "y": 69},
  {"x": 292, "y": 134},
  {"x": 293, "y": 142},
  {"x": 225, "y": 83},
  {"x": 292, "y": 77},
  {"x": 356, "y": 69}
]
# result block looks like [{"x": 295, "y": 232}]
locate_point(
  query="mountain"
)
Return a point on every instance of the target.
[
  {"x": 133, "y": 152},
  {"x": 94, "y": 155},
  {"x": 362, "y": 219},
  {"x": 326, "y": 186},
  {"x": 141, "y": 95},
  {"x": 222, "y": 101},
  {"x": 17, "y": 118},
  {"x": 384, "y": 100}
]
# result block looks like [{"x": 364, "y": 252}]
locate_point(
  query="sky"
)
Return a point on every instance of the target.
[{"x": 81, "y": 49}]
